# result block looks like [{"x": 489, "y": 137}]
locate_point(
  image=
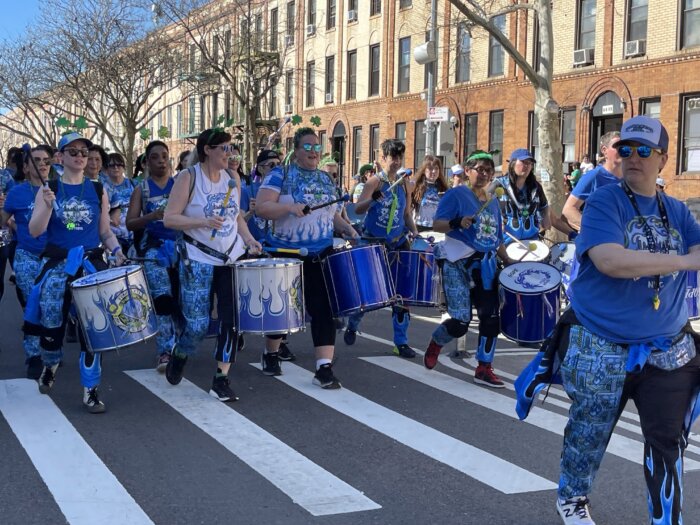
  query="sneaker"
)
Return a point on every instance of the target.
[
  {"x": 484, "y": 375},
  {"x": 574, "y": 511},
  {"x": 349, "y": 337},
  {"x": 34, "y": 367},
  {"x": 13, "y": 278},
  {"x": 430, "y": 358},
  {"x": 213, "y": 329},
  {"x": 163, "y": 360},
  {"x": 241, "y": 342},
  {"x": 221, "y": 389},
  {"x": 325, "y": 379},
  {"x": 47, "y": 378},
  {"x": 71, "y": 332},
  {"x": 271, "y": 364},
  {"x": 404, "y": 351},
  {"x": 285, "y": 354},
  {"x": 175, "y": 368},
  {"x": 91, "y": 401}
]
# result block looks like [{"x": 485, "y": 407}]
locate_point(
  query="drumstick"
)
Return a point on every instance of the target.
[
  {"x": 308, "y": 209},
  {"x": 231, "y": 186},
  {"x": 299, "y": 251},
  {"x": 497, "y": 194},
  {"x": 27, "y": 149},
  {"x": 402, "y": 176}
]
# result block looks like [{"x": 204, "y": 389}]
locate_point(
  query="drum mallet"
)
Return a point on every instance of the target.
[
  {"x": 531, "y": 247},
  {"x": 296, "y": 251},
  {"x": 27, "y": 150},
  {"x": 231, "y": 186},
  {"x": 308, "y": 209},
  {"x": 402, "y": 175},
  {"x": 497, "y": 194}
]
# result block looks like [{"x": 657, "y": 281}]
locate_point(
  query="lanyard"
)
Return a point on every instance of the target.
[{"x": 651, "y": 240}]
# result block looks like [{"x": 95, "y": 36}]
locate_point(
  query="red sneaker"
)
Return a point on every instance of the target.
[
  {"x": 484, "y": 375},
  {"x": 430, "y": 358}
]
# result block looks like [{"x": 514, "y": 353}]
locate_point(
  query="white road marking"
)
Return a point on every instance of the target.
[{"x": 307, "y": 484}]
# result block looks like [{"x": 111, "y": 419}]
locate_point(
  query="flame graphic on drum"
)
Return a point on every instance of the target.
[
  {"x": 269, "y": 308},
  {"x": 96, "y": 323}
]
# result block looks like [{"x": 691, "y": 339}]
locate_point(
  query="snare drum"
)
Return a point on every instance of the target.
[
  {"x": 529, "y": 301},
  {"x": 114, "y": 307},
  {"x": 692, "y": 296},
  {"x": 270, "y": 296},
  {"x": 358, "y": 280},
  {"x": 416, "y": 277},
  {"x": 518, "y": 252},
  {"x": 562, "y": 257}
]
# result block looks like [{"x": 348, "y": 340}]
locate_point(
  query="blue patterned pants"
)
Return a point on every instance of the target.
[
  {"x": 26, "y": 267},
  {"x": 160, "y": 286}
]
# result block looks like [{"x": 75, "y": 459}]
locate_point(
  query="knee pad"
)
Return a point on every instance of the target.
[
  {"x": 401, "y": 313},
  {"x": 456, "y": 328},
  {"x": 52, "y": 338},
  {"x": 31, "y": 328},
  {"x": 164, "y": 305},
  {"x": 490, "y": 327}
]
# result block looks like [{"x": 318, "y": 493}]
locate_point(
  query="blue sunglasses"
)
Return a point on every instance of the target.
[
  {"x": 644, "y": 152},
  {"x": 309, "y": 147}
]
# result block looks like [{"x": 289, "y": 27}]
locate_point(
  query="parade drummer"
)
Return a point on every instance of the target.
[
  {"x": 429, "y": 187},
  {"x": 204, "y": 204},
  {"x": 471, "y": 220},
  {"x": 156, "y": 245},
  {"x": 283, "y": 199},
  {"x": 388, "y": 220},
  {"x": 74, "y": 213},
  {"x": 18, "y": 207}
]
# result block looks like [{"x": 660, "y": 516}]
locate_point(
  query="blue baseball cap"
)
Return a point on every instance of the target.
[
  {"x": 643, "y": 130},
  {"x": 69, "y": 138},
  {"x": 522, "y": 154}
]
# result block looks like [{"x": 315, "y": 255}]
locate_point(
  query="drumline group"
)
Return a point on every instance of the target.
[{"x": 205, "y": 237}]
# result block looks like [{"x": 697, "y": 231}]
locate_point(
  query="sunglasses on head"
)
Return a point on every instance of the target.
[
  {"x": 74, "y": 152},
  {"x": 309, "y": 147},
  {"x": 39, "y": 161},
  {"x": 644, "y": 152}
]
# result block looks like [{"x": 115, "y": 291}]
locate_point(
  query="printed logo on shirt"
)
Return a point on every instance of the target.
[
  {"x": 74, "y": 211},
  {"x": 635, "y": 237},
  {"x": 215, "y": 203}
]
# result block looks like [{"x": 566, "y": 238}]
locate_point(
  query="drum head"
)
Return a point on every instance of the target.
[
  {"x": 530, "y": 277},
  {"x": 273, "y": 262},
  {"x": 538, "y": 251},
  {"x": 356, "y": 219},
  {"x": 106, "y": 276}
]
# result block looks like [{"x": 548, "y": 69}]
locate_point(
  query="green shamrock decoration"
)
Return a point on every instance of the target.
[
  {"x": 80, "y": 123},
  {"x": 163, "y": 132},
  {"x": 63, "y": 122},
  {"x": 296, "y": 120},
  {"x": 144, "y": 133},
  {"x": 315, "y": 120}
]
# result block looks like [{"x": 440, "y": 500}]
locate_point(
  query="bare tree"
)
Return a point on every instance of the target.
[{"x": 481, "y": 13}]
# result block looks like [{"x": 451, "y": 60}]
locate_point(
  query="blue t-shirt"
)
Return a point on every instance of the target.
[
  {"x": 312, "y": 187},
  {"x": 20, "y": 204},
  {"x": 621, "y": 310},
  {"x": 158, "y": 200},
  {"x": 77, "y": 221},
  {"x": 379, "y": 214},
  {"x": 591, "y": 180},
  {"x": 119, "y": 195},
  {"x": 256, "y": 225},
  {"x": 428, "y": 205},
  {"x": 522, "y": 209},
  {"x": 485, "y": 234},
  {"x": 7, "y": 180}
]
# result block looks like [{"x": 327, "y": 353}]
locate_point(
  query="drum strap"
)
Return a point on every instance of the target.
[{"x": 223, "y": 257}]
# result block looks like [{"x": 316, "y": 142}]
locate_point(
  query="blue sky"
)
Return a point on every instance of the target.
[{"x": 16, "y": 14}]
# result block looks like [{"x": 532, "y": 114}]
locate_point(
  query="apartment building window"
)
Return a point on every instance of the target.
[
  {"x": 537, "y": 47},
  {"x": 431, "y": 67},
  {"x": 651, "y": 107},
  {"x": 404, "y": 80},
  {"x": 690, "y": 139},
  {"x": 352, "y": 75},
  {"x": 400, "y": 132},
  {"x": 273, "y": 96},
  {"x": 405, "y": 3},
  {"x": 496, "y": 53},
  {"x": 274, "y": 21},
  {"x": 356, "y": 149},
  {"x": 690, "y": 23},
  {"x": 227, "y": 104},
  {"x": 289, "y": 90},
  {"x": 637, "y": 18},
  {"x": 310, "y": 82},
  {"x": 193, "y": 59},
  {"x": 496, "y": 137},
  {"x": 323, "y": 141},
  {"x": 374, "y": 61},
  {"x": 464, "y": 49},
  {"x": 291, "y": 6},
  {"x": 585, "y": 38},
  {"x": 568, "y": 135},
  {"x": 191, "y": 114},
  {"x": 533, "y": 136},
  {"x": 202, "y": 113},
  {"x": 227, "y": 49},
  {"x": 375, "y": 7},
  {"x": 178, "y": 126},
  {"x": 419, "y": 143},
  {"x": 215, "y": 50},
  {"x": 471, "y": 126},
  {"x": 352, "y": 5},
  {"x": 330, "y": 14},
  {"x": 374, "y": 152},
  {"x": 214, "y": 108},
  {"x": 311, "y": 14},
  {"x": 259, "y": 35},
  {"x": 330, "y": 78}
]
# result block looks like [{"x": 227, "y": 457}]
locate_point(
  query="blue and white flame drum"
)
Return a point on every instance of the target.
[
  {"x": 563, "y": 256},
  {"x": 358, "y": 280},
  {"x": 692, "y": 296},
  {"x": 114, "y": 307},
  {"x": 270, "y": 296},
  {"x": 529, "y": 301},
  {"x": 416, "y": 277}
]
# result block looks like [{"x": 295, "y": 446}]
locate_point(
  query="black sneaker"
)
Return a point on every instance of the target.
[
  {"x": 241, "y": 342},
  {"x": 285, "y": 354},
  {"x": 34, "y": 367},
  {"x": 271, "y": 364},
  {"x": 71, "y": 332},
  {"x": 349, "y": 337},
  {"x": 175, "y": 368},
  {"x": 91, "y": 401},
  {"x": 221, "y": 389},
  {"x": 47, "y": 378},
  {"x": 404, "y": 351},
  {"x": 325, "y": 379}
]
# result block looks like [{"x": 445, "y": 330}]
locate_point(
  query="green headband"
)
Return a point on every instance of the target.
[{"x": 480, "y": 155}]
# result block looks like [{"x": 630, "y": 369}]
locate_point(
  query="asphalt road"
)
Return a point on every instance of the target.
[{"x": 397, "y": 445}]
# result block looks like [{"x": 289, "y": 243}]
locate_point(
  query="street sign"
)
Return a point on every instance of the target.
[{"x": 438, "y": 114}]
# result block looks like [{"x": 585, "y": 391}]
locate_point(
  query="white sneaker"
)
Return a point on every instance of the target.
[
  {"x": 574, "y": 511},
  {"x": 91, "y": 401}
]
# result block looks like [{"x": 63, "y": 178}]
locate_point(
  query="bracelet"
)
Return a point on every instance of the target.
[
  {"x": 456, "y": 223},
  {"x": 116, "y": 249}
]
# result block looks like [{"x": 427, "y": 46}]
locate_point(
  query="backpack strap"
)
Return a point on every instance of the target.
[
  {"x": 145, "y": 194},
  {"x": 193, "y": 176},
  {"x": 99, "y": 189}
]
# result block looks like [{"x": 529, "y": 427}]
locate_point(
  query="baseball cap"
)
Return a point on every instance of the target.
[
  {"x": 521, "y": 154},
  {"x": 266, "y": 155},
  {"x": 365, "y": 168},
  {"x": 661, "y": 182},
  {"x": 457, "y": 169},
  {"x": 69, "y": 138},
  {"x": 644, "y": 130}
]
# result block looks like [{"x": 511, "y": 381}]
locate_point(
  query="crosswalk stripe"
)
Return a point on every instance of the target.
[
  {"x": 307, "y": 484},
  {"x": 83, "y": 487},
  {"x": 474, "y": 462}
]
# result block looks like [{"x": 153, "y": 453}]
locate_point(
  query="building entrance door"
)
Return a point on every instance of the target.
[
  {"x": 607, "y": 116},
  {"x": 338, "y": 151}
]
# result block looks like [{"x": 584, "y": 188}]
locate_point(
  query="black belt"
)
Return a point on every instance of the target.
[{"x": 223, "y": 257}]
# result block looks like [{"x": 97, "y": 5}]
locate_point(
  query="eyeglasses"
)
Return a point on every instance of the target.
[
  {"x": 74, "y": 152},
  {"x": 39, "y": 161},
  {"x": 115, "y": 165},
  {"x": 644, "y": 152},
  {"x": 270, "y": 165},
  {"x": 309, "y": 147},
  {"x": 226, "y": 148},
  {"x": 483, "y": 171},
  {"x": 236, "y": 158}
]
